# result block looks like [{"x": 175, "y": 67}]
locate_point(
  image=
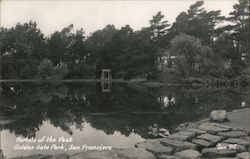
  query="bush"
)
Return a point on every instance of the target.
[{"x": 46, "y": 70}]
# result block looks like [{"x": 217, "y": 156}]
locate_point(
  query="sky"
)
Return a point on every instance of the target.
[{"x": 52, "y": 15}]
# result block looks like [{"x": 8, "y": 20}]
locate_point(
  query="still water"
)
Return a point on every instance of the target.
[{"x": 109, "y": 114}]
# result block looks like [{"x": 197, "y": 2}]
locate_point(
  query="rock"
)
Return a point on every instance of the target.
[
  {"x": 161, "y": 135},
  {"x": 95, "y": 155},
  {"x": 60, "y": 156},
  {"x": 247, "y": 130},
  {"x": 213, "y": 128},
  {"x": 243, "y": 155},
  {"x": 232, "y": 134},
  {"x": 239, "y": 129},
  {"x": 202, "y": 143},
  {"x": 178, "y": 137},
  {"x": 247, "y": 138},
  {"x": 211, "y": 138},
  {"x": 155, "y": 147},
  {"x": 237, "y": 141},
  {"x": 167, "y": 157},
  {"x": 35, "y": 156},
  {"x": 188, "y": 154},
  {"x": 214, "y": 152},
  {"x": 135, "y": 153},
  {"x": 177, "y": 145},
  {"x": 218, "y": 115},
  {"x": 164, "y": 131},
  {"x": 185, "y": 126},
  {"x": 196, "y": 131},
  {"x": 38, "y": 156},
  {"x": 226, "y": 158},
  {"x": 181, "y": 127},
  {"x": 187, "y": 133}
]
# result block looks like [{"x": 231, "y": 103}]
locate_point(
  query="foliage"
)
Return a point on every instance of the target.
[
  {"x": 47, "y": 71},
  {"x": 191, "y": 57},
  {"x": 197, "y": 22},
  {"x": 130, "y": 54},
  {"x": 22, "y": 49},
  {"x": 158, "y": 28},
  {"x": 239, "y": 34},
  {"x": 201, "y": 47}
]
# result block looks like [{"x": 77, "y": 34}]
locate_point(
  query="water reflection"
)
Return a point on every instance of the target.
[
  {"x": 127, "y": 109},
  {"x": 166, "y": 101},
  {"x": 106, "y": 86}
]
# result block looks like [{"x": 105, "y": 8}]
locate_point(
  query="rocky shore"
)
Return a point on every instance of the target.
[{"x": 201, "y": 140}]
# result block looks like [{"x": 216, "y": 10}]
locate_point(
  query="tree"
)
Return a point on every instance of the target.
[
  {"x": 61, "y": 70},
  {"x": 129, "y": 55},
  {"x": 191, "y": 57},
  {"x": 99, "y": 38},
  {"x": 69, "y": 47},
  {"x": 158, "y": 27},
  {"x": 115, "y": 53},
  {"x": 22, "y": 50},
  {"x": 95, "y": 45},
  {"x": 197, "y": 22},
  {"x": 239, "y": 31},
  {"x": 47, "y": 71},
  {"x": 59, "y": 45},
  {"x": 226, "y": 52}
]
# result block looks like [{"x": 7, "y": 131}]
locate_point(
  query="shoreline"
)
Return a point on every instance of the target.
[{"x": 200, "y": 138}]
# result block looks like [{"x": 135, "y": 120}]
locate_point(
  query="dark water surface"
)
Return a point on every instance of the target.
[{"x": 112, "y": 114}]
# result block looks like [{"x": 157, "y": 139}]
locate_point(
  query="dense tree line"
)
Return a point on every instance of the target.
[{"x": 199, "y": 43}]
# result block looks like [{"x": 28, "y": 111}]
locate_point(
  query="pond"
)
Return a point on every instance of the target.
[{"x": 107, "y": 114}]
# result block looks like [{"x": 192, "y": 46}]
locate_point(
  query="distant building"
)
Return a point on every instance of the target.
[{"x": 106, "y": 74}]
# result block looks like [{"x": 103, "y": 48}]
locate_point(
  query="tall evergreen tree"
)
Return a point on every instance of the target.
[
  {"x": 197, "y": 22},
  {"x": 240, "y": 28}
]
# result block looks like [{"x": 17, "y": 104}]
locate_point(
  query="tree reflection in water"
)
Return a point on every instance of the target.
[{"x": 127, "y": 108}]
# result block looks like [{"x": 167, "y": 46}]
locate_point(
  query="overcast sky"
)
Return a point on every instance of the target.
[{"x": 93, "y": 15}]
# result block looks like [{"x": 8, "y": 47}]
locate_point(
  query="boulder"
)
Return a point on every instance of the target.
[
  {"x": 155, "y": 147},
  {"x": 202, "y": 143},
  {"x": 187, "y": 133},
  {"x": 95, "y": 155},
  {"x": 210, "y": 138},
  {"x": 188, "y": 154},
  {"x": 178, "y": 137},
  {"x": 196, "y": 131},
  {"x": 226, "y": 158},
  {"x": 177, "y": 145},
  {"x": 60, "y": 156},
  {"x": 237, "y": 141},
  {"x": 185, "y": 126},
  {"x": 247, "y": 138},
  {"x": 213, "y": 128},
  {"x": 38, "y": 156},
  {"x": 243, "y": 155},
  {"x": 218, "y": 116},
  {"x": 135, "y": 153},
  {"x": 232, "y": 134},
  {"x": 167, "y": 157},
  {"x": 214, "y": 152}
]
